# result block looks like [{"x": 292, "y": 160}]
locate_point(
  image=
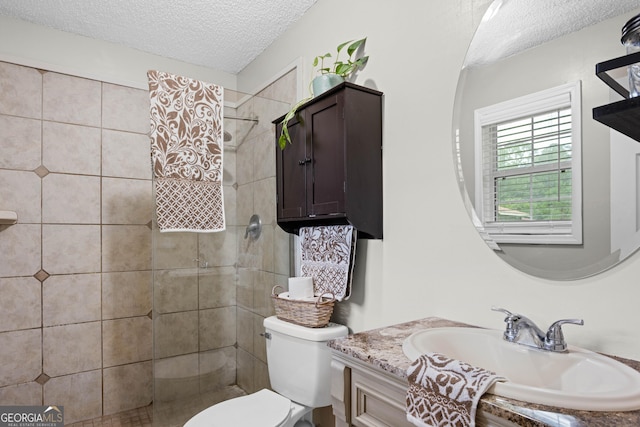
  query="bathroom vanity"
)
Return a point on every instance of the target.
[{"x": 369, "y": 386}]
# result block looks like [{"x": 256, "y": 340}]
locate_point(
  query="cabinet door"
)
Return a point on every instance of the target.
[
  {"x": 326, "y": 176},
  {"x": 377, "y": 401},
  {"x": 291, "y": 165}
]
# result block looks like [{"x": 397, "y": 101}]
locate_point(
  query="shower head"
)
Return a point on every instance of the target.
[{"x": 227, "y": 136}]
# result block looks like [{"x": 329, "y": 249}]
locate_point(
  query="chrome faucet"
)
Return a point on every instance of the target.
[{"x": 522, "y": 330}]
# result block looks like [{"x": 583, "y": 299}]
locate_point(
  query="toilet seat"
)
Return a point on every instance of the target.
[{"x": 262, "y": 408}]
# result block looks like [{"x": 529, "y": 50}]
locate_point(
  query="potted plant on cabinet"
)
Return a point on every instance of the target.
[{"x": 330, "y": 76}]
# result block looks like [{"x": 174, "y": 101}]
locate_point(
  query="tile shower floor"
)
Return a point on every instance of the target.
[{"x": 165, "y": 414}]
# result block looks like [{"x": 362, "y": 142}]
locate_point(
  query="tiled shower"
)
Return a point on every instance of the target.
[{"x": 99, "y": 312}]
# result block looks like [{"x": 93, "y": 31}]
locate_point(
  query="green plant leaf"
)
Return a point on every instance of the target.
[
  {"x": 342, "y": 45},
  {"x": 284, "y": 134},
  {"x": 282, "y": 141},
  {"x": 360, "y": 62},
  {"x": 354, "y": 46},
  {"x": 343, "y": 69}
]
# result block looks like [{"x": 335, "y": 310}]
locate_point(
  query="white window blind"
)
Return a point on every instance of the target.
[{"x": 527, "y": 156}]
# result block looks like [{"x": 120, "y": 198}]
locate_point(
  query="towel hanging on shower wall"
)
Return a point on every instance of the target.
[{"x": 187, "y": 152}]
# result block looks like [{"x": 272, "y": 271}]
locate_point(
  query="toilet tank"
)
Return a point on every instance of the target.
[{"x": 299, "y": 360}]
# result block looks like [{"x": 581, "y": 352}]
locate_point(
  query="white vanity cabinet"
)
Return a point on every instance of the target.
[
  {"x": 363, "y": 396},
  {"x": 369, "y": 386}
]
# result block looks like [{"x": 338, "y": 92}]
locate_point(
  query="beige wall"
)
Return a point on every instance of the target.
[{"x": 432, "y": 261}]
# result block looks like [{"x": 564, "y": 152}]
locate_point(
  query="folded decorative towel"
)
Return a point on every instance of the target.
[
  {"x": 186, "y": 152},
  {"x": 328, "y": 255},
  {"x": 444, "y": 392}
]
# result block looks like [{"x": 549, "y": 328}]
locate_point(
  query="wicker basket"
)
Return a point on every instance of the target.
[{"x": 312, "y": 314}]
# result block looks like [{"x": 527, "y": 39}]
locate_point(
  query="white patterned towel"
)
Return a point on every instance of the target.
[
  {"x": 445, "y": 392},
  {"x": 186, "y": 152},
  {"x": 328, "y": 255}
]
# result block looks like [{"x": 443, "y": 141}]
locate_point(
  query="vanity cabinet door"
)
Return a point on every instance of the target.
[{"x": 376, "y": 401}]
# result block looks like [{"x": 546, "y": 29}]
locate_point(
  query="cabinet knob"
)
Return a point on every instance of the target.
[{"x": 306, "y": 160}]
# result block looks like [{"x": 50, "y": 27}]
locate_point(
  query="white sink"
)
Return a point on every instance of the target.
[{"x": 577, "y": 379}]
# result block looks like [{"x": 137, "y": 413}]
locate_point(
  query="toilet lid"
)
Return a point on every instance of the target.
[{"x": 262, "y": 408}]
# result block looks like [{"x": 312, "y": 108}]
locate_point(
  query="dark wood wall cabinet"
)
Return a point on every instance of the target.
[{"x": 331, "y": 173}]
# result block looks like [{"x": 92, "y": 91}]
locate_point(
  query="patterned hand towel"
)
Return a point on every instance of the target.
[
  {"x": 186, "y": 152},
  {"x": 445, "y": 392},
  {"x": 328, "y": 255}
]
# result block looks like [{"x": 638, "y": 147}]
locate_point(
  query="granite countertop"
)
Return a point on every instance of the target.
[{"x": 382, "y": 349}]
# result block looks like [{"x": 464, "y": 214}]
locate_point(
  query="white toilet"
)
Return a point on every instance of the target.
[{"x": 300, "y": 373}]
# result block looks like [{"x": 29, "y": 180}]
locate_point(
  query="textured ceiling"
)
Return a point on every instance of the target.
[
  {"x": 225, "y": 35},
  {"x": 511, "y": 26}
]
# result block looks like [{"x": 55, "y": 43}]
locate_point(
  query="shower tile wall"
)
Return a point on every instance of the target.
[
  {"x": 195, "y": 306},
  {"x": 75, "y": 272},
  {"x": 265, "y": 262}
]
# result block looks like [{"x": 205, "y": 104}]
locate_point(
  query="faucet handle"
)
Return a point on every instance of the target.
[
  {"x": 510, "y": 332},
  {"x": 554, "y": 339},
  {"x": 502, "y": 310}
]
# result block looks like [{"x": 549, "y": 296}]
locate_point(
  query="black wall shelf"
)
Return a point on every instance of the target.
[{"x": 624, "y": 115}]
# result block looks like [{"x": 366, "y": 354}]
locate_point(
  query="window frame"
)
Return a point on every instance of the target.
[{"x": 534, "y": 232}]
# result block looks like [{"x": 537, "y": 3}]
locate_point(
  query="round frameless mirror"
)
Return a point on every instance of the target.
[{"x": 552, "y": 191}]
